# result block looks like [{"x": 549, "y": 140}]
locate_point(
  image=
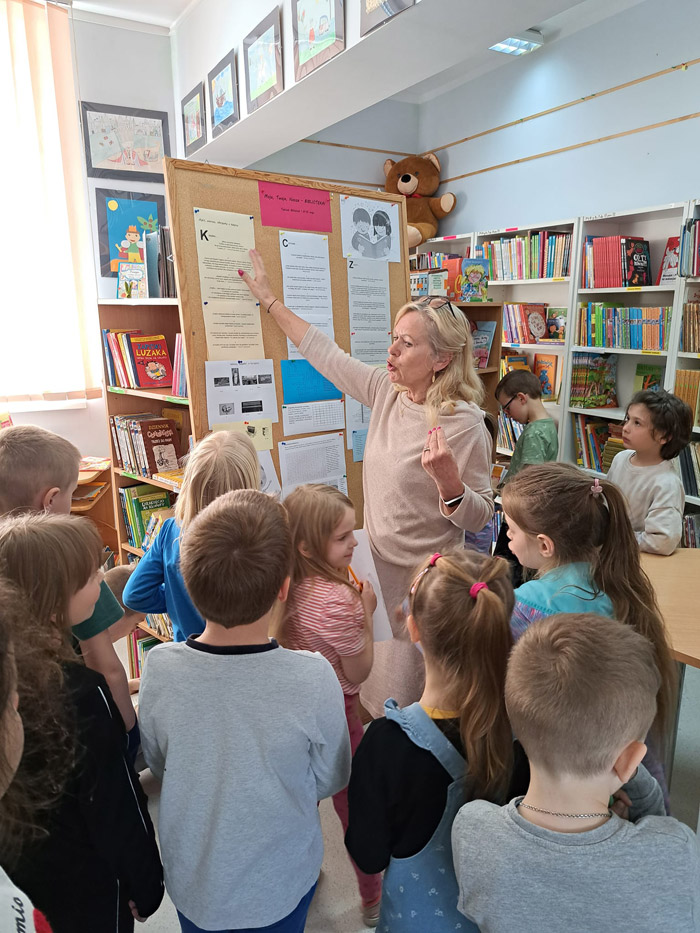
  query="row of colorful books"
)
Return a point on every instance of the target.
[
  {"x": 179, "y": 371},
  {"x": 508, "y": 431},
  {"x": 431, "y": 260},
  {"x": 689, "y": 462},
  {"x": 597, "y": 442},
  {"x": 690, "y": 332},
  {"x": 691, "y": 530},
  {"x": 533, "y": 323},
  {"x": 138, "y": 503},
  {"x": 540, "y": 255},
  {"x": 689, "y": 261},
  {"x": 601, "y": 324},
  {"x": 139, "y": 643},
  {"x": 171, "y": 478},
  {"x": 593, "y": 380},
  {"x": 687, "y": 387},
  {"x": 145, "y": 443},
  {"x": 136, "y": 360},
  {"x": 615, "y": 262}
]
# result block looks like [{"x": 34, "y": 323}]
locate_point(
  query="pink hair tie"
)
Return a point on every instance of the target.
[
  {"x": 476, "y": 587},
  {"x": 433, "y": 559},
  {"x": 596, "y": 488}
]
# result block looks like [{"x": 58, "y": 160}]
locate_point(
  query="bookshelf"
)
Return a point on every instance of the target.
[{"x": 99, "y": 509}]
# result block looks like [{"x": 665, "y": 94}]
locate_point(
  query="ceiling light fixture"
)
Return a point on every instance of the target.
[{"x": 521, "y": 44}]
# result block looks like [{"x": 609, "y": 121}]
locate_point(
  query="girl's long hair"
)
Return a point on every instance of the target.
[
  {"x": 46, "y": 559},
  {"x": 557, "y": 500},
  {"x": 470, "y": 638},
  {"x": 448, "y": 331}
]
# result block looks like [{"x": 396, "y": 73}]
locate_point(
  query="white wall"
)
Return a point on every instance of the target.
[{"x": 645, "y": 169}]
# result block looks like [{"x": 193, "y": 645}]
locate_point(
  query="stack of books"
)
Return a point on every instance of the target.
[
  {"x": 430, "y": 260},
  {"x": 603, "y": 325},
  {"x": 179, "y": 371},
  {"x": 690, "y": 334},
  {"x": 138, "y": 504},
  {"x": 615, "y": 262},
  {"x": 541, "y": 255},
  {"x": 135, "y": 360},
  {"x": 593, "y": 380},
  {"x": 597, "y": 442},
  {"x": 145, "y": 443},
  {"x": 687, "y": 387},
  {"x": 172, "y": 478},
  {"x": 508, "y": 431}
]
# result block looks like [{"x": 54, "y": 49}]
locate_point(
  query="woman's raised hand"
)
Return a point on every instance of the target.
[
  {"x": 439, "y": 462},
  {"x": 259, "y": 286}
]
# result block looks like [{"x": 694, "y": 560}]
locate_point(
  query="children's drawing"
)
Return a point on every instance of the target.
[
  {"x": 262, "y": 64},
  {"x": 315, "y": 20},
  {"x": 124, "y": 142},
  {"x": 194, "y": 120},
  {"x": 123, "y": 219}
]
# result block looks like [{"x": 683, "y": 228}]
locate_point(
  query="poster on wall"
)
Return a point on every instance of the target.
[
  {"x": 123, "y": 220},
  {"x": 370, "y": 229},
  {"x": 194, "y": 120},
  {"x": 319, "y": 34},
  {"x": 375, "y": 12},
  {"x": 262, "y": 53},
  {"x": 124, "y": 142},
  {"x": 223, "y": 95}
]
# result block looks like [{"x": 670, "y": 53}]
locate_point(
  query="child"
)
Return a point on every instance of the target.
[
  {"x": 657, "y": 427},
  {"x": 581, "y": 695},
  {"x": 245, "y": 736},
  {"x": 95, "y": 866},
  {"x": 326, "y": 613},
  {"x": 39, "y": 472},
  {"x": 221, "y": 462},
  {"x": 116, "y": 579},
  {"x": 574, "y": 531},
  {"x": 519, "y": 394},
  {"x": 452, "y": 746}
]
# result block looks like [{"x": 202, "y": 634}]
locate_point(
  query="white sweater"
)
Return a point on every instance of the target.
[{"x": 655, "y": 498}]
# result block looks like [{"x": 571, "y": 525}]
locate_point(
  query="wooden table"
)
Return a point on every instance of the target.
[{"x": 675, "y": 580}]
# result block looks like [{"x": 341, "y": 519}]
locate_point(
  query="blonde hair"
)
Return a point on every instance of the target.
[
  {"x": 448, "y": 332},
  {"x": 579, "y": 688},
  {"x": 556, "y": 499},
  {"x": 221, "y": 462},
  {"x": 235, "y": 557},
  {"x": 32, "y": 461},
  {"x": 49, "y": 557},
  {"x": 314, "y": 512},
  {"x": 470, "y": 637}
]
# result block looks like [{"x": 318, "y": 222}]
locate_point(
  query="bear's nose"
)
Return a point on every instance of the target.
[{"x": 406, "y": 179}]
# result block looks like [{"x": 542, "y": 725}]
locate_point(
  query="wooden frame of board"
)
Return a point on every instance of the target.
[{"x": 192, "y": 185}]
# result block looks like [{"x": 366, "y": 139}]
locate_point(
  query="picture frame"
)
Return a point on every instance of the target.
[
  {"x": 373, "y": 14},
  {"x": 223, "y": 95},
  {"x": 262, "y": 54},
  {"x": 318, "y": 27},
  {"x": 124, "y": 143},
  {"x": 117, "y": 211},
  {"x": 194, "y": 119}
]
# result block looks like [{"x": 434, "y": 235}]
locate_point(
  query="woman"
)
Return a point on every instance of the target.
[{"x": 427, "y": 463}]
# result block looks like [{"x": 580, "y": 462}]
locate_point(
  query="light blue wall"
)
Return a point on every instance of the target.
[{"x": 645, "y": 169}]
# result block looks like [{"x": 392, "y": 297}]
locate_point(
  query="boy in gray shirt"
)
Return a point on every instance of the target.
[
  {"x": 245, "y": 735},
  {"x": 581, "y": 695}
]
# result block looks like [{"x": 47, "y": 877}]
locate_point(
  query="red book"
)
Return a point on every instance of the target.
[{"x": 153, "y": 367}]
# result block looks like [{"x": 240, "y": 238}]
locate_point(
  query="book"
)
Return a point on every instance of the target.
[
  {"x": 131, "y": 280},
  {"x": 161, "y": 445},
  {"x": 152, "y": 366},
  {"x": 472, "y": 282},
  {"x": 668, "y": 270},
  {"x": 546, "y": 371},
  {"x": 594, "y": 380},
  {"x": 137, "y": 505},
  {"x": 556, "y": 324},
  {"x": 482, "y": 337},
  {"x": 648, "y": 377},
  {"x": 615, "y": 262},
  {"x": 155, "y": 523},
  {"x": 172, "y": 478}
]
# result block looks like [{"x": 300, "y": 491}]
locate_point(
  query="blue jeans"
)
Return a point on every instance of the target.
[{"x": 292, "y": 923}]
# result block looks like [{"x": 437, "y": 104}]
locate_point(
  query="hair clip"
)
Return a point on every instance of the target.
[
  {"x": 596, "y": 488},
  {"x": 476, "y": 588},
  {"x": 433, "y": 559},
  {"x": 431, "y": 563}
]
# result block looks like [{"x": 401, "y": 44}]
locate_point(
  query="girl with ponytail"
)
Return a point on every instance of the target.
[{"x": 453, "y": 746}]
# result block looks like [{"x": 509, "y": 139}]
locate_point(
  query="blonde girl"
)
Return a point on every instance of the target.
[
  {"x": 574, "y": 531},
  {"x": 221, "y": 462},
  {"x": 88, "y": 857},
  {"x": 454, "y": 745},
  {"x": 326, "y": 613}
]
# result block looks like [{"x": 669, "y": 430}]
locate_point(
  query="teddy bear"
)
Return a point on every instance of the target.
[{"x": 418, "y": 178}]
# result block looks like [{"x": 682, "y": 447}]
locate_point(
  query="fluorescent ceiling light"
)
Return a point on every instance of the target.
[{"x": 521, "y": 44}]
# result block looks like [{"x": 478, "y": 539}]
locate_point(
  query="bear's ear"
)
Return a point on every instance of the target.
[
  {"x": 431, "y": 157},
  {"x": 388, "y": 165}
]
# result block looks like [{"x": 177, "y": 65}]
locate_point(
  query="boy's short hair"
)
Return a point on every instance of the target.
[
  {"x": 116, "y": 579},
  {"x": 33, "y": 460},
  {"x": 235, "y": 557},
  {"x": 579, "y": 688},
  {"x": 519, "y": 380},
  {"x": 670, "y": 416}
]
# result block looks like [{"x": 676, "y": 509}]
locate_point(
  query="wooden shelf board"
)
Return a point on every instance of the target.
[
  {"x": 149, "y": 393},
  {"x": 135, "y": 302},
  {"x": 150, "y": 631},
  {"x": 612, "y": 414},
  {"x": 625, "y": 350},
  {"x": 80, "y": 507},
  {"x": 132, "y": 550},
  {"x": 146, "y": 479},
  {"x": 488, "y": 369}
]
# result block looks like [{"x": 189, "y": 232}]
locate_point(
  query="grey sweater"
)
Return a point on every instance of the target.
[
  {"x": 623, "y": 877},
  {"x": 245, "y": 741}
]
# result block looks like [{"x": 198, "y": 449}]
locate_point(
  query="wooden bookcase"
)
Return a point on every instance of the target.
[{"x": 100, "y": 509}]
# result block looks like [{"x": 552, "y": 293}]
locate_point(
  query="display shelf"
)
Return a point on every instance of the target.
[
  {"x": 132, "y": 550},
  {"x": 692, "y": 500},
  {"x": 629, "y": 288},
  {"x": 138, "y": 302},
  {"x": 504, "y": 452},
  {"x": 150, "y": 393},
  {"x": 623, "y": 350},
  {"x": 83, "y": 507},
  {"x": 499, "y": 283},
  {"x": 688, "y": 356},
  {"x": 149, "y": 631},
  {"x": 559, "y": 345},
  {"x": 146, "y": 479},
  {"x": 612, "y": 414}
]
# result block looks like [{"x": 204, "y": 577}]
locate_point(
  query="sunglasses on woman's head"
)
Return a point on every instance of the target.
[{"x": 437, "y": 304}]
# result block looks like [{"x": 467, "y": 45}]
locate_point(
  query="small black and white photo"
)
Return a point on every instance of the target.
[
  {"x": 221, "y": 382},
  {"x": 254, "y": 405},
  {"x": 265, "y": 379},
  {"x": 235, "y": 376},
  {"x": 250, "y": 380},
  {"x": 227, "y": 408}
]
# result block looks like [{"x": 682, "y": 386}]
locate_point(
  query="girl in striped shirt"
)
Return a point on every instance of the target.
[{"x": 327, "y": 613}]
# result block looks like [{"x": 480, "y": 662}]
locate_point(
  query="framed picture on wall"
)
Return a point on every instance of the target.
[
  {"x": 375, "y": 12},
  {"x": 123, "y": 219},
  {"x": 223, "y": 95},
  {"x": 194, "y": 120},
  {"x": 319, "y": 33},
  {"x": 262, "y": 51},
  {"x": 124, "y": 143}
]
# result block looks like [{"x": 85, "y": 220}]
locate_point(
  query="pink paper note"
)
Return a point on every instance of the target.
[{"x": 294, "y": 207}]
